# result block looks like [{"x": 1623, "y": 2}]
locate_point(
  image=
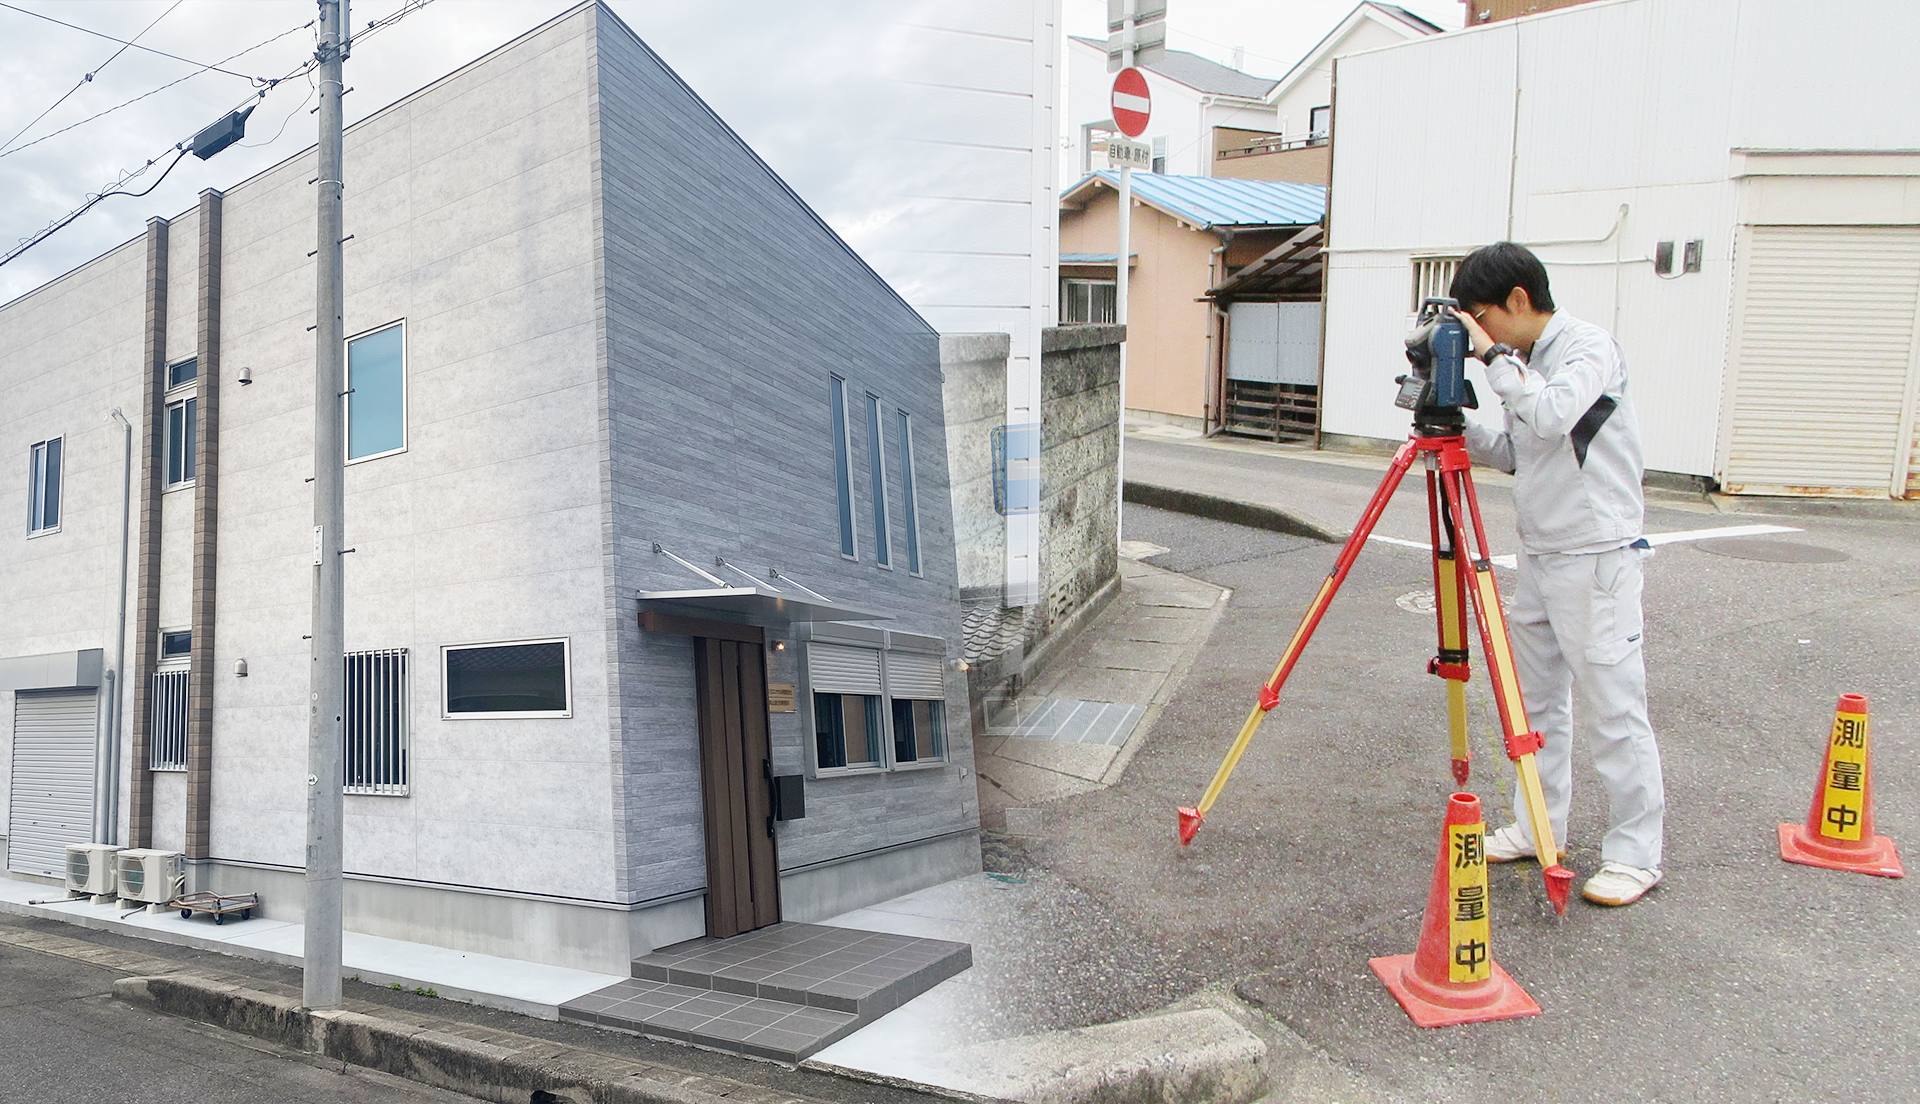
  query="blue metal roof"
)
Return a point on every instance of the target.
[{"x": 1210, "y": 201}]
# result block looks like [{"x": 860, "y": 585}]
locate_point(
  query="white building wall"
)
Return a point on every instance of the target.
[
  {"x": 1182, "y": 116},
  {"x": 1294, "y": 103},
  {"x": 1638, "y": 103}
]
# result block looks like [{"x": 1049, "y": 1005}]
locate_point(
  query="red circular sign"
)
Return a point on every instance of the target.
[{"x": 1132, "y": 103}]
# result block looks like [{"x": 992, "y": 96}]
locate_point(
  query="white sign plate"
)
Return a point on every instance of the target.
[{"x": 1129, "y": 154}]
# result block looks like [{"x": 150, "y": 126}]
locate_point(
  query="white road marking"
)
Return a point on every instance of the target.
[{"x": 1655, "y": 539}]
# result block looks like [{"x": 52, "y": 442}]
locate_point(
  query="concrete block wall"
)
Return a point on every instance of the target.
[
  {"x": 973, "y": 370},
  {"x": 1079, "y": 466}
]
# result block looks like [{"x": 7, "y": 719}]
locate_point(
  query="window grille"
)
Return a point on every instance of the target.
[
  {"x": 1088, "y": 301},
  {"x": 167, "y": 735},
  {"x": 374, "y": 760},
  {"x": 1432, "y": 278}
]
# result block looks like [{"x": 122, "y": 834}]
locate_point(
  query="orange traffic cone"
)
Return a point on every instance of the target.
[
  {"x": 1451, "y": 978},
  {"x": 1838, "y": 833}
]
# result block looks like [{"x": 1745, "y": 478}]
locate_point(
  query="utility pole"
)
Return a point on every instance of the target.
[{"x": 321, "y": 969}]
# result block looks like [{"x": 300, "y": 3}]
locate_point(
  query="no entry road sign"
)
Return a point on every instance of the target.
[{"x": 1132, "y": 103}]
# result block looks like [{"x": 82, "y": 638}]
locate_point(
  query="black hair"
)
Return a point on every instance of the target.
[{"x": 1490, "y": 273}]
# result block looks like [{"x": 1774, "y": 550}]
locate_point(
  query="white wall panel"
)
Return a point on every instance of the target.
[{"x": 1843, "y": 80}]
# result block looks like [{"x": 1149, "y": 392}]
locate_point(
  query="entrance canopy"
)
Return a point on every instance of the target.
[{"x": 752, "y": 605}]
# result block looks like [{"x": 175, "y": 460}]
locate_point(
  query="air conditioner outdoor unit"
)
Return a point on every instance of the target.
[
  {"x": 155, "y": 877},
  {"x": 91, "y": 868}
]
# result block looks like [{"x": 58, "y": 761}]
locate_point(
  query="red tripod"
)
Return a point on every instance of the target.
[{"x": 1462, "y": 569}]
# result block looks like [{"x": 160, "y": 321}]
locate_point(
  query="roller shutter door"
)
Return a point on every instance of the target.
[
  {"x": 52, "y": 800},
  {"x": 834, "y": 669},
  {"x": 916, "y": 675},
  {"x": 1823, "y": 361}
]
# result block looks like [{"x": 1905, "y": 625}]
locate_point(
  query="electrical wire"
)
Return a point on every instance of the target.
[
  {"x": 311, "y": 89},
  {"x": 88, "y": 78},
  {"x": 86, "y": 30},
  {"x": 268, "y": 42},
  {"x": 91, "y": 200}
]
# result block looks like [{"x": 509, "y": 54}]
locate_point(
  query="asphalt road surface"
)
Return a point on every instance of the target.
[
  {"x": 64, "y": 1038},
  {"x": 1740, "y": 978}
]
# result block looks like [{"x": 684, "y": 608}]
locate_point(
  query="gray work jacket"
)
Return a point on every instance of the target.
[{"x": 1571, "y": 440}]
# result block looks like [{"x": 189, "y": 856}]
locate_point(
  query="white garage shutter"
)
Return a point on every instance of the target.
[
  {"x": 834, "y": 669},
  {"x": 916, "y": 675},
  {"x": 1822, "y": 359},
  {"x": 52, "y": 803}
]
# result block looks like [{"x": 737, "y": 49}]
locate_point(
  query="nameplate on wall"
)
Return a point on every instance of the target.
[{"x": 779, "y": 697}]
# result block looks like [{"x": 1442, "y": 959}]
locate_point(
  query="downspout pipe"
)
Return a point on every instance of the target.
[{"x": 106, "y": 758}]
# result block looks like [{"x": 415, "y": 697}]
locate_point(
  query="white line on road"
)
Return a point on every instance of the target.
[{"x": 1655, "y": 539}]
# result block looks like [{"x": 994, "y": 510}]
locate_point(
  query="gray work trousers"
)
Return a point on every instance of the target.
[{"x": 1576, "y": 628}]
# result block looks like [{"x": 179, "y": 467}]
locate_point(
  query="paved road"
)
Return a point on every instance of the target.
[
  {"x": 63, "y": 1038},
  {"x": 1741, "y": 978}
]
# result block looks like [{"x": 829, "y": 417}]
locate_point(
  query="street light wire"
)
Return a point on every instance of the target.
[
  {"x": 124, "y": 42},
  {"x": 88, "y": 78},
  {"x": 8, "y": 152},
  {"x": 311, "y": 89}
]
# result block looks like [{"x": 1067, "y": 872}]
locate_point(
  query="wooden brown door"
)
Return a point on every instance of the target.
[{"x": 743, "y": 876}]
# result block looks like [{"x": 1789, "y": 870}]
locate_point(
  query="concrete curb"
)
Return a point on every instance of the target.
[
  {"x": 1214, "y": 507},
  {"x": 511, "y": 1069}
]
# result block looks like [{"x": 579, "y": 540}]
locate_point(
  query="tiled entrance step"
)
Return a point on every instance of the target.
[{"x": 782, "y": 992}]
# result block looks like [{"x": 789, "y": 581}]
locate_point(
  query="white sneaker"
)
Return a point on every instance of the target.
[
  {"x": 1619, "y": 884},
  {"x": 1510, "y": 844}
]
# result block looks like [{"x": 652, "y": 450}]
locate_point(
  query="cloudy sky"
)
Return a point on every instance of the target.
[{"x": 787, "y": 76}]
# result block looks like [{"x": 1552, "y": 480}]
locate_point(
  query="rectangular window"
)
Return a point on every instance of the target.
[
  {"x": 183, "y": 372},
  {"x": 1085, "y": 302},
  {"x": 176, "y": 646},
  {"x": 519, "y": 679},
  {"x": 377, "y": 393},
  {"x": 905, "y": 434},
  {"x": 374, "y": 758},
  {"x": 1433, "y": 278},
  {"x": 1319, "y": 125},
  {"x": 919, "y": 730},
  {"x": 167, "y": 734},
  {"x": 846, "y": 729},
  {"x": 877, "y": 475},
  {"x": 43, "y": 483},
  {"x": 181, "y": 429},
  {"x": 842, "y": 465}
]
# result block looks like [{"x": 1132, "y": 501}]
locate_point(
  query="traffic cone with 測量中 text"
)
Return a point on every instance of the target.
[
  {"x": 1839, "y": 833},
  {"x": 1451, "y": 978}
]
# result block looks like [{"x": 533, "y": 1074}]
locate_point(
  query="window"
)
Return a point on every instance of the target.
[
  {"x": 43, "y": 487},
  {"x": 175, "y": 647},
  {"x": 518, "y": 679},
  {"x": 374, "y": 758},
  {"x": 181, "y": 429},
  {"x": 905, "y": 435},
  {"x": 919, "y": 730},
  {"x": 842, "y": 466},
  {"x": 846, "y": 729},
  {"x": 183, "y": 372},
  {"x": 917, "y": 686},
  {"x": 1160, "y": 154},
  {"x": 1319, "y": 125},
  {"x": 877, "y": 475},
  {"x": 167, "y": 731},
  {"x": 1085, "y": 302},
  {"x": 1432, "y": 278},
  {"x": 377, "y": 393}
]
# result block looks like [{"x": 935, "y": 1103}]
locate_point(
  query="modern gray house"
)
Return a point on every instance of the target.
[{"x": 648, "y": 508}]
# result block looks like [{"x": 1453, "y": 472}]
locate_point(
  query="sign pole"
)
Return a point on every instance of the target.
[{"x": 1123, "y": 252}]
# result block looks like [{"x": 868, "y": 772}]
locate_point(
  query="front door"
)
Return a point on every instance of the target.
[{"x": 743, "y": 876}]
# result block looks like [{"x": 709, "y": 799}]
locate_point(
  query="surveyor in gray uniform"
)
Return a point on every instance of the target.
[{"x": 1573, "y": 446}]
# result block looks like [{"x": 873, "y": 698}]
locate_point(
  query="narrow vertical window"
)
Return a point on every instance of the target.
[
  {"x": 842, "y": 470},
  {"x": 877, "y": 473},
  {"x": 377, "y": 393},
  {"x": 43, "y": 505},
  {"x": 904, "y": 435},
  {"x": 181, "y": 429}
]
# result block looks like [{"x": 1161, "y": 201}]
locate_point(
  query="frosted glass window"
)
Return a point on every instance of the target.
[{"x": 376, "y": 393}]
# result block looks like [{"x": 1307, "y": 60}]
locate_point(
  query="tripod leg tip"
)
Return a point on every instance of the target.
[
  {"x": 1460, "y": 771},
  {"x": 1559, "y": 887},
  {"x": 1190, "y": 819}
]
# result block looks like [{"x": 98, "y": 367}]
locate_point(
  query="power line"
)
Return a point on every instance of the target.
[
  {"x": 267, "y": 42},
  {"x": 43, "y": 235},
  {"x": 84, "y": 80},
  {"x": 135, "y": 45}
]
